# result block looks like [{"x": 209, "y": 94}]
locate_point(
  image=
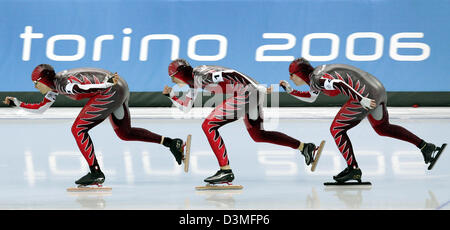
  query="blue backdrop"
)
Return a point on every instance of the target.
[{"x": 402, "y": 42}]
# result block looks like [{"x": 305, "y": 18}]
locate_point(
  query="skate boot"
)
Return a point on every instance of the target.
[
  {"x": 427, "y": 151},
  {"x": 308, "y": 152},
  {"x": 221, "y": 176},
  {"x": 431, "y": 153},
  {"x": 95, "y": 177},
  {"x": 177, "y": 148},
  {"x": 349, "y": 173}
]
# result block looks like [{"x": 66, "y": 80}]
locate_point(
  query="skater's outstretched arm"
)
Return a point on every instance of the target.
[
  {"x": 306, "y": 96},
  {"x": 184, "y": 105},
  {"x": 38, "y": 108}
]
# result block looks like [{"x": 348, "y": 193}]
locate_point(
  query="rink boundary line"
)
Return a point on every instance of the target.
[{"x": 201, "y": 113}]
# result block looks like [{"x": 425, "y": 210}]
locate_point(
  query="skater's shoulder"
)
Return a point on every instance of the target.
[
  {"x": 330, "y": 68},
  {"x": 76, "y": 71},
  {"x": 209, "y": 68}
]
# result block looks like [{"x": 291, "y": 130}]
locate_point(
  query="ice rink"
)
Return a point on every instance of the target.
[{"x": 40, "y": 160}]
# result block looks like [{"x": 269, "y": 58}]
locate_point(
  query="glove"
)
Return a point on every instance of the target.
[
  {"x": 168, "y": 92},
  {"x": 12, "y": 101},
  {"x": 286, "y": 86},
  {"x": 367, "y": 103},
  {"x": 110, "y": 81}
]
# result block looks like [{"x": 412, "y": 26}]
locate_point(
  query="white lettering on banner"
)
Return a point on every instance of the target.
[
  {"x": 81, "y": 47},
  {"x": 350, "y": 49},
  {"x": 27, "y": 36},
  {"x": 145, "y": 40},
  {"x": 192, "y": 45},
  {"x": 334, "y": 50},
  {"x": 126, "y": 43},
  {"x": 96, "y": 55},
  {"x": 395, "y": 45},
  {"x": 289, "y": 45}
]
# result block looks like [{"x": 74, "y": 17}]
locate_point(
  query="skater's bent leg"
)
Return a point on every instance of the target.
[
  {"x": 379, "y": 119},
  {"x": 121, "y": 122},
  {"x": 258, "y": 134},
  {"x": 211, "y": 127},
  {"x": 348, "y": 117},
  {"x": 88, "y": 118},
  {"x": 221, "y": 115}
]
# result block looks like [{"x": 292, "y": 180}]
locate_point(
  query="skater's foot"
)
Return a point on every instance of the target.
[
  {"x": 349, "y": 173},
  {"x": 431, "y": 153},
  {"x": 177, "y": 148},
  {"x": 221, "y": 176},
  {"x": 92, "y": 178},
  {"x": 308, "y": 152},
  {"x": 427, "y": 151}
]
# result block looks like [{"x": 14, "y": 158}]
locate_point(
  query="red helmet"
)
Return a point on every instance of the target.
[
  {"x": 44, "y": 74},
  {"x": 302, "y": 68},
  {"x": 181, "y": 69}
]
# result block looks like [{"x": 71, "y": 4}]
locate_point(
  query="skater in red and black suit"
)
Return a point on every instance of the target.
[
  {"x": 367, "y": 97},
  {"x": 246, "y": 102},
  {"x": 108, "y": 96}
]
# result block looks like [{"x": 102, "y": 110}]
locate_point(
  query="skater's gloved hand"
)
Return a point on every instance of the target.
[
  {"x": 167, "y": 91},
  {"x": 368, "y": 103},
  {"x": 110, "y": 81},
  {"x": 11, "y": 101},
  {"x": 286, "y": 86}
]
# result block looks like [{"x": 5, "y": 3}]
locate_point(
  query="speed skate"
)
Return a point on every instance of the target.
[
  {"x": 222, "y": 186},
  {"x": 90, "y": 188},
  {"x": 317, "y": 156},
  {"x": 349, "y": 184},
  {"x": 187, "y": 152},
  {"x": 438, "y": 154}
]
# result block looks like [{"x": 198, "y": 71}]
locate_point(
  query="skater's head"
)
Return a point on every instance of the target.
[
  {"x": 42, "y": 77},
  {"x": 300, "y": 70},
  {"x": 181, "y": 72}
]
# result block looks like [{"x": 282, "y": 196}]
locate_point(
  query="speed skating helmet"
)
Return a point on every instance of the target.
[
  {"x": 44, "y": 74},
  {"x": 182, "y": 70},
  {"x": 302, "y": 68}
]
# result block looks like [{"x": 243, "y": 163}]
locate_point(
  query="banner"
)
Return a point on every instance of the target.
[{"x": 401, "y": 42}]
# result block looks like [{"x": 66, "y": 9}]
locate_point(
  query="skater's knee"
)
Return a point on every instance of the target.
[
  {"x": 122, "y": 134},
  {"x": 256, "y": 134},
  {"x": 257, "y": 137},
  {"x": 74, "y": 129},
  {"x": 206, "y": 126},
  {"x": 381, "y": 129},
  {"x": 334, "y": 130}
]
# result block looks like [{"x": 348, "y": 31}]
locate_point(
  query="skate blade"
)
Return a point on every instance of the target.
[
  {"x": 441, "y": 149},
  {"x": 187, "y": 153},
  {"x": 348, "y": 184},
  {"x": 318, "y": 153},
  {"x": 90, "y": 188},
  {"x": 219, "y": 187}
]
